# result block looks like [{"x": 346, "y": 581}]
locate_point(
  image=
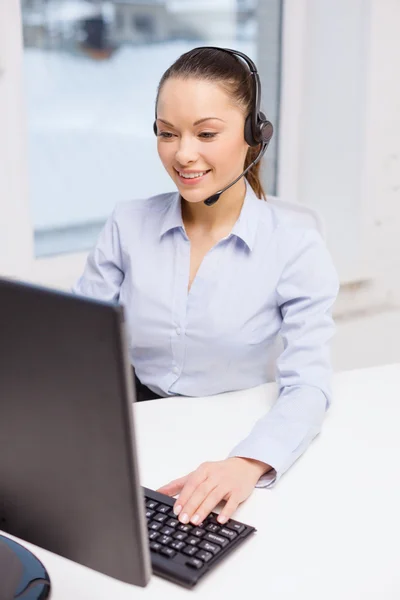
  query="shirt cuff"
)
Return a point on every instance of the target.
[
  {"x": 271, "y": 454},
  {"x": 281, "y": 436},
  {"x": 269, "y": 479}
]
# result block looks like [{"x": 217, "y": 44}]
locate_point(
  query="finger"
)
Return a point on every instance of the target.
[
  {"x": 228, "y": 510},
  {"x": 195, "y": 479},
  {"x": 189, "y": 510},
  {"x": 209, "y": 503},
  {"x": 173, "y": 487}
]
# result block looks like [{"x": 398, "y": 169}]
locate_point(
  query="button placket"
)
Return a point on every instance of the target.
[
  {"x": 179, "y": 304},
  {"x": 207, "y": 273}
]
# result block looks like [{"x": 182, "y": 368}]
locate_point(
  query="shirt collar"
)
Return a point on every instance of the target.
[
  {"x": 245, "y": 227},
  {"x": 173, "y": 215}
]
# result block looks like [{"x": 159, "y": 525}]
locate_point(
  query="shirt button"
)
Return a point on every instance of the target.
[
  {"x": 175, "y": 370},
  {"x": 178, "y": 331}
]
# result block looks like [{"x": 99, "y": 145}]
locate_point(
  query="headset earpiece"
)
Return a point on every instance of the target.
[
  {"x": 266, "y": 129},
  {"x": 263, "y": 130},
  {"x": 155, "y": 128},
  {"x": 248, "y": 131}
]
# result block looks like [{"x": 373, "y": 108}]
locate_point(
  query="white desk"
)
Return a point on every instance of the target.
[{"x": 329, "y": 530}]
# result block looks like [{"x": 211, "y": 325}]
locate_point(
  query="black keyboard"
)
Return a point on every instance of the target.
[{"x": 185, "y": 553}]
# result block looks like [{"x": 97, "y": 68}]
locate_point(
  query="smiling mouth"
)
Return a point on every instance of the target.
[{"x": 193, "y": 175}]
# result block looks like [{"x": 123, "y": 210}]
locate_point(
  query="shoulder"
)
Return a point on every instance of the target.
[
  {"x": 290, "y": 227},
  {"x": 296, "y": 241}
]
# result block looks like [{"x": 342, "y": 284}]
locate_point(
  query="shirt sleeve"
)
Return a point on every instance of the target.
[
  {"x": 306, "y": 291},
  {"x": 103, "y": 273}
]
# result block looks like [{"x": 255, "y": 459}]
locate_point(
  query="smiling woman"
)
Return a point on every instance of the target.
[
  {"x": 213, "y": 146},
  {"x": 208, "y": 286},
  {"x": 219, "y": 87}
]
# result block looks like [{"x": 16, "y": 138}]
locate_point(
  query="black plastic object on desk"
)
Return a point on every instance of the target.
[{"x": 22, "y": 575}]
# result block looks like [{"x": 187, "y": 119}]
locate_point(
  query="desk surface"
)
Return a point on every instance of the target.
[{"x": 330, "y": 529}]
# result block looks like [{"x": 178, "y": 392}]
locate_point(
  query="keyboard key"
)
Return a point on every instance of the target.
[
  {"x": 164, "y": 540},
  {"x": 212, "y": 519},
  {"x": 198, "y": 532},
  {"x": 153, "y": 535},
  {"x": 216, "y": 539},
  {"x": 169, "y": 552},
  {"x": 185, "y": 528},
  {"x": 203, "y": 555},
  {"x": 228, "y": 533},
  {"x": 176, "y": 545},
  {"x": 238, "y": 527},
  {"x": 155, "y": 547},
  {"x": 149, "y": 514},
  {"x": 195, "y": 563},
  {"x": 164, "y": 509},
  {"x": 210, "y": 547},
  {"x": 213, "y": 528},
  {"x": 160, "y": 518},
  {"x": 155, "y": 526},
  {"x": 173, "y": 523},
  {"x": 190, "y": 550},
  {"x": 180, "y": 536},
  {"x": 193, "y": 541},
  {"x": 151, "y": 504},
  {"x": 167, "y": 530}
]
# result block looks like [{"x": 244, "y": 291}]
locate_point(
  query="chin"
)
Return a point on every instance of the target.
[{"x": 194, "y": 196}]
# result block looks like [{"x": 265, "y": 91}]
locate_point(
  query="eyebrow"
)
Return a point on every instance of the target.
[{"x": 195, "y": 123}]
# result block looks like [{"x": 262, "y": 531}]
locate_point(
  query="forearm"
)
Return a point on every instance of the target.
[{"x": 281, "y": 436}]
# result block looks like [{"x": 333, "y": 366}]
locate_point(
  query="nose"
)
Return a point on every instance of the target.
[{"x": 187, "y": 150}]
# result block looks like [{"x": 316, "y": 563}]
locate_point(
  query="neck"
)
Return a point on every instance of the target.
[{"x": 224, "y": 212}]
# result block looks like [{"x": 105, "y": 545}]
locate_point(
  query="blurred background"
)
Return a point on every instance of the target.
[{"x": 78, "y": 80}]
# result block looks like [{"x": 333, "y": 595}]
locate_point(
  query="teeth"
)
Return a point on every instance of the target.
[{"x": 192, "y": 175}]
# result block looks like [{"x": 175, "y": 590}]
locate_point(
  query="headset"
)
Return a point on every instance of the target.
[{"x": 257, "y": 128}]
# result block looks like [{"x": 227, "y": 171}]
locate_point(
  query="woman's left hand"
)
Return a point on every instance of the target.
[{"x": 232, "y": 479}]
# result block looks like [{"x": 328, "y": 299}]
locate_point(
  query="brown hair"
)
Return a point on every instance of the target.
[{"x": 228, "y": 71}]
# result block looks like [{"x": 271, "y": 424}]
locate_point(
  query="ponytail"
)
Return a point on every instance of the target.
[{"x": 253, "y": 176}]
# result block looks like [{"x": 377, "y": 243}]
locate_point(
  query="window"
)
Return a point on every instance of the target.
[
  {"x": 119, "y": 21},
  {"x": 90, "y": 100},
  {"x": 144, "y": 24}
]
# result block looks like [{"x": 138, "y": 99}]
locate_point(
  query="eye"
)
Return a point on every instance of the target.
[
  {"x": 165, "y": 134},
  {"x": 207, "y": 135}
]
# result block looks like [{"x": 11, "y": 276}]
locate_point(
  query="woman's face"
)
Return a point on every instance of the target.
[{"x": 200, "y": 137}]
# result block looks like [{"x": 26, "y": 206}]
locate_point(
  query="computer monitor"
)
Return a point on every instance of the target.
[{"x": 69, "y": 479}]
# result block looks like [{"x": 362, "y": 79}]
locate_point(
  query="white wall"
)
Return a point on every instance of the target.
[
  {"x": 16, "y": 249},
  {"x": 385, "y": 160},
  {"x": 381, "y": 203},
  {"x": 324, "y": 119}
]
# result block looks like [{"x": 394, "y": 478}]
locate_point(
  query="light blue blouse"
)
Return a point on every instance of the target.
[{"x": 268, "y": 276}]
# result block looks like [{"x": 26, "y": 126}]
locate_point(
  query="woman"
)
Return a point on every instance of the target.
[{"x": 207, "y": 288}]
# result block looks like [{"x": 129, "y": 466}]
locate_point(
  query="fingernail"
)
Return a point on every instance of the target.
[
  {"x": 184, "y": 518},
  {"x": 222, "y": 519},
  {"x": 177, "y": 509},
  {"x": 195, "y": 519}
]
